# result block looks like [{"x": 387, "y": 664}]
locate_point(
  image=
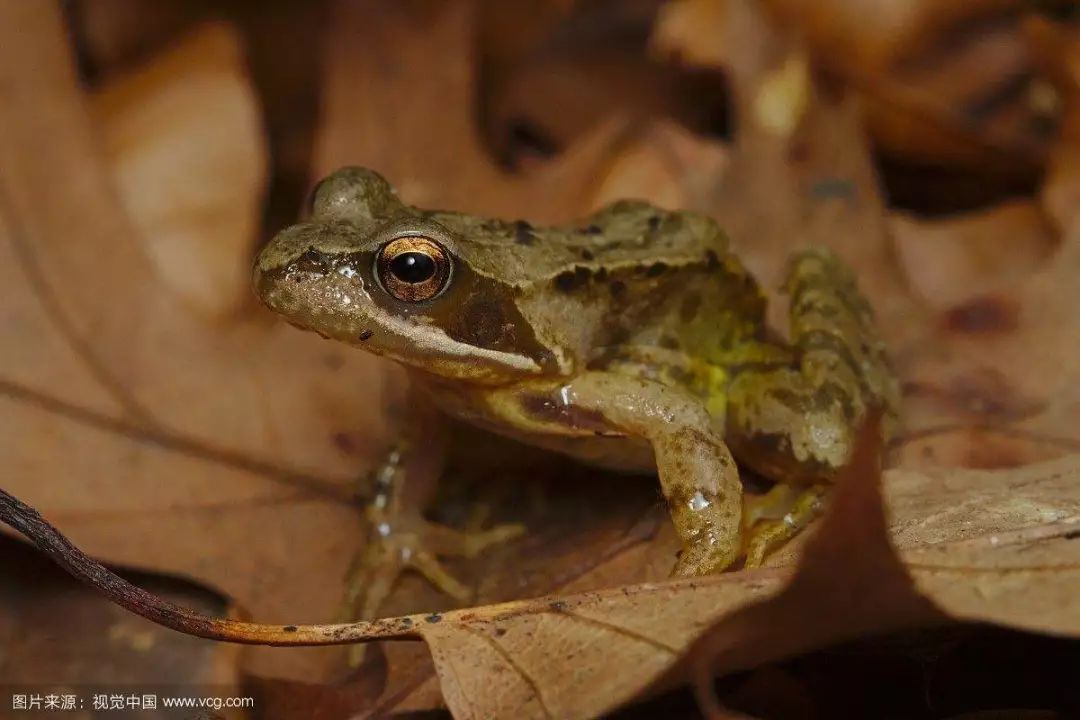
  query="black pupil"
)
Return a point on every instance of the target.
[{"x": 413, "y": 267}]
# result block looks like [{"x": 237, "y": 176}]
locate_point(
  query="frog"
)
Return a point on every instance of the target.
[{"x": 634, "y": 340}]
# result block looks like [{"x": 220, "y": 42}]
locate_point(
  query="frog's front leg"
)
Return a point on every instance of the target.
[
  {"x": 796, "y": 423},
  {"x": 399, "y": 536},
  {"x": 698, "y": 476}
]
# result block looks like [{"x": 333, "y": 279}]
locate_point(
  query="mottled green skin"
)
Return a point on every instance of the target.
[{"x": 632, "y": 339}]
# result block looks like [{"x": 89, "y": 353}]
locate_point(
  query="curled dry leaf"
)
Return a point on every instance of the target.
[
  {"x": 939, "y": 83},
  {"x": 986, "y": 546}
]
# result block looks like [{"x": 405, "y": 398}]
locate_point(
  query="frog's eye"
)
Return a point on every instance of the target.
[{"x": 413, "y": 268}]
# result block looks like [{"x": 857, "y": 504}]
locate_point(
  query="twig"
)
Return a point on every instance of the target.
[{"x": 52, "y": 542}]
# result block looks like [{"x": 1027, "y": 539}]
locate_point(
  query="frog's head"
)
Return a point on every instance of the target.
[{"x": 371, "y": 271}]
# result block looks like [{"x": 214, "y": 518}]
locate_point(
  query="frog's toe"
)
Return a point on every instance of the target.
[
  {"x": 416, "y": 544},
  {"x": 767, "y": 535}
]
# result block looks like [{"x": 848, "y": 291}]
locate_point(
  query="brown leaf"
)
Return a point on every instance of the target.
[
  {"x": 940, "y": 84},
  {"x": 970, "y": 545},
  {"x": 157, "y": 133},
  {"x": 1056, "y": 48},
  {"x": 415, "y": 123},
  {"x": 952, "y": 260},
  {"x": 227, "y": 449},
  {"x": 977, "y": 546},
  {"x": 39, "y": 605},
  {"x": 994, "y": 383},
  {"x": 158, "y": 437}
]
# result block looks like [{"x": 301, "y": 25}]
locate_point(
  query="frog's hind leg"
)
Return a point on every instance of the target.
[{"x": 796, "y": 423}]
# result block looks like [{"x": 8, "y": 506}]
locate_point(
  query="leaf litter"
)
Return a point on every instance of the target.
[{"x": 128, "y": 406}]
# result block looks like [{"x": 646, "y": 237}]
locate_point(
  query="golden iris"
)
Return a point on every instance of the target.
[{"x": 413, "y": 268}]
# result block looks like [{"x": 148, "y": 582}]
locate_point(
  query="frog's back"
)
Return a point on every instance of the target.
[{"x": 630, "y": 276}]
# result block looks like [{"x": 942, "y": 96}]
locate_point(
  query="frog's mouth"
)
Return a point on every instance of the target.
[
  {"x": 320, "y": 303},
  {"x": 423, "y": 346}
]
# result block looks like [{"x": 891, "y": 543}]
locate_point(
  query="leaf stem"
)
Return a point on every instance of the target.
[{"x": 63, "y": 552}]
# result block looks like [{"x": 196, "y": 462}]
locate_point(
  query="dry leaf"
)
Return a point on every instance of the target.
[
  {"x": 426, "y": 142},
  {"x": 668, "y": 165},
  {"x": 994, "y": 382},
  {"x": 952, "y": 260},
  {"x": 158, "y": 135},
  {"x": 940, "y": 83},
  {"x": 593, "y": 61},
  {"x": 691, "y": 31},
  {"x": 158, "y": 438},
  {"x": 988, "y": 546},
  {"x": 39, "y": 604},
  {"x": 228, "y": 450},
  {"x": 1057, "y": 51}
]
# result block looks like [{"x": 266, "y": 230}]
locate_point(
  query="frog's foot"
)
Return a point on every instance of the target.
[
  {"x": 416, "y": 544},
  {"x": 412, "y": 544},
  {"x": 776, "y": 517}
]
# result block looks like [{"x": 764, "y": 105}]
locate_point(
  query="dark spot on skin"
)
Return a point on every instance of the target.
[
  {"x": 548, "y": 409},
  {"x": 499, "y": 632},
  {"x": 1072, "y": 535},
  {"x": 712, "y": 260},
  {"x": 984, "y": 315},
  {"x": 586, "y": 254},
  {"x": 557, "y": 606},
  {"x": 592, "y": 230},
  {"x": 334, "y": 362},
  {"x": 433, "y": 618},
  {"x": 656, "y": 269},
  {"x": 289, "y": 628},
  {"x": 571, "y": 280},
  {"x": 366, "y": 335},
  {"x": 618, "y": 288},
  {"x": 407, "y": 622},
  {"x": 482, "y": 323},
  {"x": 669, "y": 342},
  {"x": 523, "y": 233},
  {"x": 654, "y": 222},
  {"x": 484, "y": 313}
]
